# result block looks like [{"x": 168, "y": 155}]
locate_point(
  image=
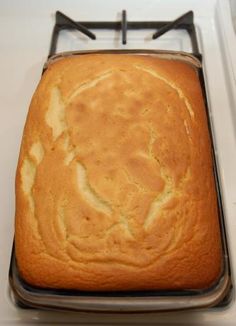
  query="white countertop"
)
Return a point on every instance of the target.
[{"x": 25, "y": 32}]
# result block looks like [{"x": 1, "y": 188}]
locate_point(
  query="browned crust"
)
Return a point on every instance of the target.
[{"x": 135, "y": 128}]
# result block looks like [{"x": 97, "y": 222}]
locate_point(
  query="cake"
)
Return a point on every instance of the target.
[{"x": 115, "y": 188}]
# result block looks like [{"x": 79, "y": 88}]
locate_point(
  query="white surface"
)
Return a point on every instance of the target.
[
  {"x": 233, "y": 12},
  {"x": 25, "y": 31}
]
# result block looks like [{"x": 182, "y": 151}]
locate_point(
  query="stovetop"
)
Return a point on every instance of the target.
[{"x": 25, "y": 35}]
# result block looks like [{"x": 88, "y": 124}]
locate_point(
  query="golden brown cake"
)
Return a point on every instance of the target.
[{"x": 115, "y": 186}]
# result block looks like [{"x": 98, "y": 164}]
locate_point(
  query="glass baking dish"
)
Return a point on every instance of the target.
[{"x": 139, "y": 301}]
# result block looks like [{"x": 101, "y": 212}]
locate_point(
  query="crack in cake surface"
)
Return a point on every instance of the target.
[
  {"x": 55, "y": 115},
  {"x": 89, "y": 194},
  {"x": 172, "y": 85},
  {"x": 88, "y": 84},
  {"x": 28, "y": 172}
]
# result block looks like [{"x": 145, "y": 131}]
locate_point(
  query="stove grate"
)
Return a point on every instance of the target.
[{"x": 185, "y": 22}]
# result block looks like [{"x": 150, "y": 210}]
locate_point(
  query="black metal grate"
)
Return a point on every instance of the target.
[{"x": 185, "y": 22}]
